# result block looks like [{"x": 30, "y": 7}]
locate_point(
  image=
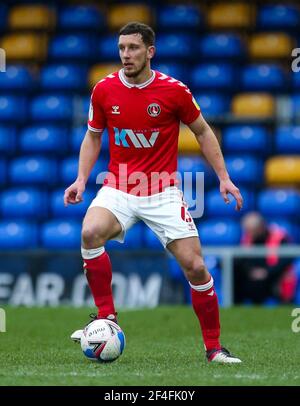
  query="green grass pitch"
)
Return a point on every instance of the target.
[{"x": 164, "y": 347}]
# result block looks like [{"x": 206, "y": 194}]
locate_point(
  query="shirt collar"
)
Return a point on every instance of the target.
[{"x": 140, "y": 85}]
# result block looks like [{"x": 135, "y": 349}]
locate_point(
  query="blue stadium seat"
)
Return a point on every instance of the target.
[
  {"x": 72, "y": 46},
  {"x": 150, "y": 239},
  {"x": 179, "y": 17},
  {"x": 245, "y": 169},
  {"x": 216, "y": 207},
  {"x": 69, "y": 168},
  {"x": 213, "y": 76},
  {"x": 222, "y": 45},
  {"x": 17, "y": 77},
  {"x": 193, "y": 195},
  {"x": 178, "y": 46},
  {"x": 278, "y": 16},
  {"x": 296, "y": 79},
  {"x": 2, "y": 171},
  {"x": 83, "y": 107},
  {"x": 23, "y": 203},
  {"x": 47, "y": 138},
  {"x": 64, "y": 77},
  {"x": 51, "y": 107},
  {"x": 18, "y": 235},
  {"x": 81, "y": 17},
  {"x": 190, "y": 164},
  {"x": 133, "y": 239},
  {"x": 61, "y": 234},
  {"x": 77, "y": 137},
  {"x": 245, "y": 138},
  {"x": 295, "y": 104},
  {"x": 78, "y": 210},
  {"x": 264, "y": 77},
  {"x": 7, "y": 139},
  {"x": 33, "y": 170},
  {"x": 292, "y": 229},
  {"x": 108, "y": 48},
  {"x": 279, "y": 203},
  {"x": 3, "y": 16},
  {"x": 13, "y": 108},
  {"x": 175, "y": 70},
  {"x": 287, "y": 139},
  {"x": 219, "y": 232},
  {"x": 212, "y": 104}
]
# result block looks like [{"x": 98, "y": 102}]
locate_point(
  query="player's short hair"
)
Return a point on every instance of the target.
[{"x": 147, "y": 33}]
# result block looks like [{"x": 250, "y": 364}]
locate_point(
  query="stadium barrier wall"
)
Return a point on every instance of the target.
[{"x": 140, "y": 278}]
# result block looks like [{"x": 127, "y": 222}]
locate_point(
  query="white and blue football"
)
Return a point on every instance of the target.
[{"x": 102, "y": 340}]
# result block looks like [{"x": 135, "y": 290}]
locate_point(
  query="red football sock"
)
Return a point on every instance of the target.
[
  {"x": 99, "y": 276},
  {"x": 206, "y": 307}
]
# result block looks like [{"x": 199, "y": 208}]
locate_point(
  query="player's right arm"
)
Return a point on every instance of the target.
[
  {"x": 89, "y": 152},
  {"x": 90, "y": 148}
]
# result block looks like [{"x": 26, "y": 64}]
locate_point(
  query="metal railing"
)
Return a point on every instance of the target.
[{"x": 228, "y": 254}]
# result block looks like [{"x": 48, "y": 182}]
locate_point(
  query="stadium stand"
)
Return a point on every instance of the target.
[{"x": 235, "y": 57}]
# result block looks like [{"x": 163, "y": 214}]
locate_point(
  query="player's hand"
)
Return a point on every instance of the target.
[
  {"x": 226, "y": 186},
  {"x": 73, "y": 194}
]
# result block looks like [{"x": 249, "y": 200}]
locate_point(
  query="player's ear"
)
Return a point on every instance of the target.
[{"x": 151, "y": 51}]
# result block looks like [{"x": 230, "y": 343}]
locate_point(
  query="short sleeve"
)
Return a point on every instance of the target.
[
  {"x": 96, "y": 119},
  {"x": 188, "y": 107}
]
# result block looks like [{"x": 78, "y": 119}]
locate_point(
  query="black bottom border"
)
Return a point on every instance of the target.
[{"x": 134, "y": 394}]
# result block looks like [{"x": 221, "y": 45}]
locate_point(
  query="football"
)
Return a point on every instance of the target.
[{"x": 102, "y": 340}]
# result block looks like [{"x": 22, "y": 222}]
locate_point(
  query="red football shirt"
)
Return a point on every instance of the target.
[{"x": 143, "y": 127}]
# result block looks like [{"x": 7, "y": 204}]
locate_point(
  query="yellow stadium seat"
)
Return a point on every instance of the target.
[
  {"x": 283, "y": 170},
  {"x": 31, "y": 17},
  {"x": 120, "y": 15},
  {"x": 187, "y": 141},
  {"x": 260, "y": 105},
  {"x": 231, "y": 15},
  {"x": 272, "y": 45},
  {"x": 25, "y": 46},
  {"x": 100, "y": 71}
]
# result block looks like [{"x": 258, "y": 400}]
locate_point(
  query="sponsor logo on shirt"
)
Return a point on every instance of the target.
[
  {"x": 139, "y": 139},
  {"x": 115, "y": 109}
]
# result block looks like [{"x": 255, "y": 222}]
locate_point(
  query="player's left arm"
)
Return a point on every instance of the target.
[{"x": 212, "y": 152}]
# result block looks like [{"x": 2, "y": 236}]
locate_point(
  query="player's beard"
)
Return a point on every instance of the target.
[{"x": 136, "y": 73}]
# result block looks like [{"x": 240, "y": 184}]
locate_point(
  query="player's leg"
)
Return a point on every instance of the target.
[
  {"x": 108, "y": 217},
  {"x": 99, "y": 226},
  {"x": 187, "y": 251},
  {"x": 168, "y": 217}
]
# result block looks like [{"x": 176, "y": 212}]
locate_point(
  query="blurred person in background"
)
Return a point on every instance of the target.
[{"x": 260, "y": 278}]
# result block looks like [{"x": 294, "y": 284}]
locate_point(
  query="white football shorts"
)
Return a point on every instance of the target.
[{"x": 166, "y": 213}]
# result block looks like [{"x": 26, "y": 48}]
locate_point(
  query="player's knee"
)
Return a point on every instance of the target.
[
  {"x": 195, "y": 269},
  {"x": 92, "y": 237}
]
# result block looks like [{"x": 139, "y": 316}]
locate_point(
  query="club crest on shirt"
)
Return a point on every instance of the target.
[{"x": 153, "y": 109}]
